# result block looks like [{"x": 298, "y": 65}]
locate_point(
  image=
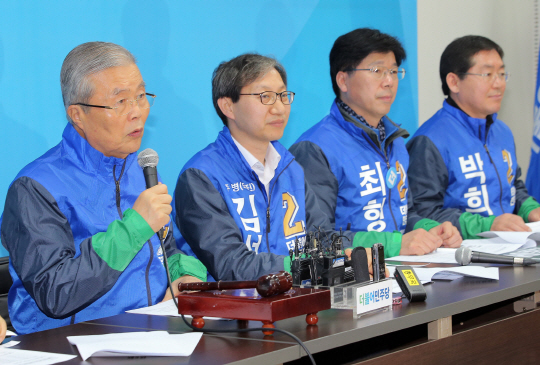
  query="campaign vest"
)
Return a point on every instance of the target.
[
  {"x": 80, "y": 180},
  {"x": 268, "y": 224},
  {"x": 373, "y": 185},
  {"x": 481, "y": 168}
]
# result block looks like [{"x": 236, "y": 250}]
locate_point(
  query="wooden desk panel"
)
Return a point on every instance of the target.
[
  {"x": 337, "y": 329},
  {"x": 210, "y": 350}
]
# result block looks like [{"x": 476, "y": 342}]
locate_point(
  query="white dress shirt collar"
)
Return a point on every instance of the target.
[{"x": 265, "y": 172}]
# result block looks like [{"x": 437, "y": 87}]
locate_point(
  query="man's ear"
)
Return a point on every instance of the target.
[
  {"x": 76, "y": 113},
  {"x": 453, "y": 80},
  {"x": 226, "y": 106},
  {"x": 341, "y": 81}
]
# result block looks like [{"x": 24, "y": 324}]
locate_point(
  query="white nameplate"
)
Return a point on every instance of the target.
[{"x": 374, "y": 296}]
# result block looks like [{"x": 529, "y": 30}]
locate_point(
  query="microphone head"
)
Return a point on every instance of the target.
[
  {"x": 463, "y": 255},
  {"x": 148, "y": 158}
]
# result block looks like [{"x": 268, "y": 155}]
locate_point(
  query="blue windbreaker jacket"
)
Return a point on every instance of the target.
[
  {"x": 464, "y": 164},
  {"x": 53, "y": 208},
  {"x": 224, "y": 214},
  {"x": 359, "y": 182}
]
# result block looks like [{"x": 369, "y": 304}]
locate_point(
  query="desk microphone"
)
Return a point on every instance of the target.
[
  {"x": 148, "y": 160},
  {"x": 464, "y": 256}
]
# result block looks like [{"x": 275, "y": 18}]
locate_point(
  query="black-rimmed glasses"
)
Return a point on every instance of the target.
[
  {"x": 270, "y": 97},
  {"x": 123, "y": 106}
]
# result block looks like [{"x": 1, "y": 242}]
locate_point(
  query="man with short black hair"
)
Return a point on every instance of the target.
[
  {"x": 78, "y": 222},
  {"x": 355, "y": 158},
  {"x": 463, "y": 159}
]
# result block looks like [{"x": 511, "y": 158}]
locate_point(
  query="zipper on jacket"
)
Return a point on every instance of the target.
[
  {"x": 390, "y": 193},
  {"x": 117, "y": 183},
  {"x": 387, "y": 161},
  {"x": 268, "y": 207},
  {"x": 147, "y": 273},
  {"x": 498, "y": 177}
]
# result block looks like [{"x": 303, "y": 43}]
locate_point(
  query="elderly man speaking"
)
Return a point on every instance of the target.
[{"x": 78, "y": 222}]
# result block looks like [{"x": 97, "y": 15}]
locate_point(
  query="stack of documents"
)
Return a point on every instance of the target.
[
  {"x": 156, "y": 343},
  {"x": 499, "y": 243}
]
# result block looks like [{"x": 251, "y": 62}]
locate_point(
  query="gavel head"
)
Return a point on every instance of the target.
[{"x": 272, "y": 284}]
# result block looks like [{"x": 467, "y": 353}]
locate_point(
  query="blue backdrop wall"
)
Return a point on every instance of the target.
[{"x": 178, "y": 44}]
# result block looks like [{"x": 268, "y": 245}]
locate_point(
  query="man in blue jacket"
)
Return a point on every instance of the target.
[
  {"x": 355, "y": 158},
  {"x": 78, "y": 222},
  {"x": 463, "y": 159},
  {"x": 242, "y": 202}
]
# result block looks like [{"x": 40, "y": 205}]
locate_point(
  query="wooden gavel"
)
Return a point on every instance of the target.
[{"x": 266, "y": 285}]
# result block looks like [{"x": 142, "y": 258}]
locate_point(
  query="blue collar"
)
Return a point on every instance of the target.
[
  {"x": 226, "y": 142},
  {"x": 476, "y": 126},
  {"x": 80, "y": 150},
  {"x": 360, "y": 133}
]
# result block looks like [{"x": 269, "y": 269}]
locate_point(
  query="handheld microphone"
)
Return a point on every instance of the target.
[
  {"x": 148, "y": 160},
  {"x": 464, "y": 256}
]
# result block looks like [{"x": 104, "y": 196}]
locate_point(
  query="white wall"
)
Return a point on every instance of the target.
[{"x": 511, "y": 24}]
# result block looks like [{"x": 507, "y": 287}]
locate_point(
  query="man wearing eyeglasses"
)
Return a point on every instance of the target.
[
  {"x": 463, "y": 159},
  {"x": 242, "y": 202},
  {"x": 78, "y": 222},
  {"x": 355, "y": 158}
]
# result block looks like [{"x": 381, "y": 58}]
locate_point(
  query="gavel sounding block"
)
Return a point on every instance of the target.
[{"x": 247, "y": 304}]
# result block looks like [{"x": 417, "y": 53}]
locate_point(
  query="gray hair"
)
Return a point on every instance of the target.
[
  {"x": 85, "y": 60},
  {"x": 231, "y": 76}
]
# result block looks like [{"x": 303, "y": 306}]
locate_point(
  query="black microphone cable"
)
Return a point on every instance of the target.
[
  {"x": 148, "y": 160},
  {"x": 166, "y": 264}
]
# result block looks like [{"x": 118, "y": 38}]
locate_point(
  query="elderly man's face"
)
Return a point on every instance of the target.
[{"x": 114, "y": 135}]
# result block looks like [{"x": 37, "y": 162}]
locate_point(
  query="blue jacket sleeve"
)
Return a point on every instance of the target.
[
  {"x": 318, "y": 174},
  {"x": 316, "y": 217},
  {"x": 428, "y": 180},
  {"x": 42, "y": 251},
  {"x": 412, "y": 215},
  {"x": 206, "y": 224},
  {"x": 321, "y": 186}
]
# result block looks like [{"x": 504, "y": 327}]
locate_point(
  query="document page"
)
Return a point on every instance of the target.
[
  {"x": 155, "y": 343},
  {"x": 24, "y": 357}
]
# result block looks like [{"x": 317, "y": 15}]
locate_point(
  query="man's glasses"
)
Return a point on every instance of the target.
[
  {"x": 124, "y": 106},
  {"x": 490, "y": 76},
  {"x": 380, "y": 72},
  {"x": 270, "y": 97}
]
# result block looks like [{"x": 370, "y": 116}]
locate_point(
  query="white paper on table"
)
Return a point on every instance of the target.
[
  {"x": 526, "y": 252},
  {"x": 534, "y": 226},
  {"x": 442, "y": 255},
  {"x": 446, "y": 275},
  {"x": 156, "y": 343},
  {"x": 23, "y": 357},
  {"x": 10, "y": 344},
  {"x": 514, "y": 237},
  {"x": 495, "y": 245},
  {"x": 166, "y": 309},
  {"x": 429, "y": 273}
]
